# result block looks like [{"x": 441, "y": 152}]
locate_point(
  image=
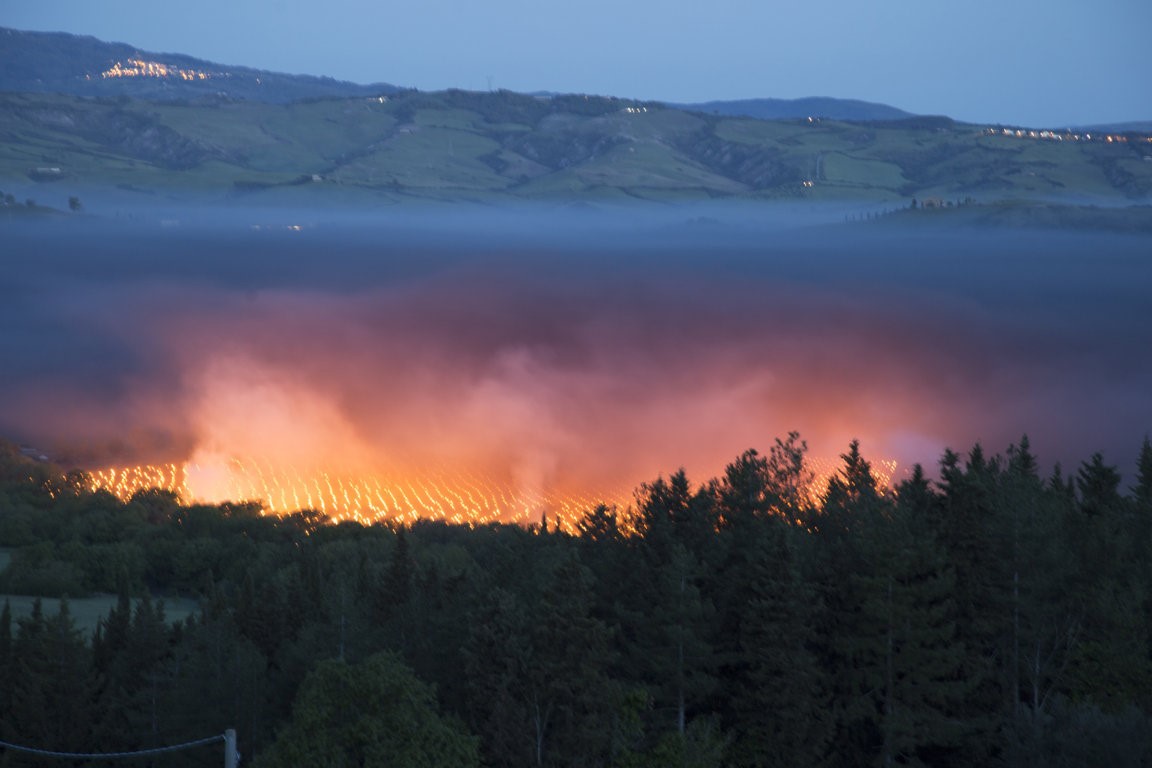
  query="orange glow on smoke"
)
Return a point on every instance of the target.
[
  {"x": 452, "y": 398},
  {"x": 504, "y": 447}
]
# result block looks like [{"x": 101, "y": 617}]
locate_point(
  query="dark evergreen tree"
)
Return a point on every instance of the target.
[
  {"x": 600, "y": 524},
  {"x": 841, "y": 576},
  {"x": 115, "y": 670},
  {"x": 260, "y": 612},
  {"x": 1142, "y": 543},
  {"x": 667, "y": 619},
  {"x": 394, "y": 594},
  {"x": 780, "y": 693},
  {"x": 1110, "y": 665},
  {"x": 976, "y": 542},
  {"x": 1044, "y": 624},
  {"x": 372, "y": 713},
  {"x": 570, "y": 696},
  {"x": 539, "y": 688},
  {"x": 149, "y": 651},
  {"x": 7, "y": 670},
  {"x": 498, "y": 656},
  {"x": 219, "y": 681},
  {"x": 673, "y": 650},
  {"x": 912, "y": 611},
  {"x": 53, "y": 685}
]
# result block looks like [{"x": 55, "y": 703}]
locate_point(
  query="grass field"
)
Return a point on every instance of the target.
[
  {"x": 506, "y": 146},
  {"x": 86, "y": 612}
]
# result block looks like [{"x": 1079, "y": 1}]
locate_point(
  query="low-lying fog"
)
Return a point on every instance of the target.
[{"x": 569, "y": 347}]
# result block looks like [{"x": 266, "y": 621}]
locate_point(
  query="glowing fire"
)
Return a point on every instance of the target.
[{"x": 458, "y": 497}]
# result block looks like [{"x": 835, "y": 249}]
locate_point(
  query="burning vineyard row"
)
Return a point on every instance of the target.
[{"x": 458, "y": 497}]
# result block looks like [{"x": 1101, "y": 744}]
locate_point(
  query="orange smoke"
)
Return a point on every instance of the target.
[{"x": 476, "y": 406}]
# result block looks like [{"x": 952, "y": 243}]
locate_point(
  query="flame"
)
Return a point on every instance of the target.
[{"x": 458, "y": 497}]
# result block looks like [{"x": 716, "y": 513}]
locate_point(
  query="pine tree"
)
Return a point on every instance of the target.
[
  {"x": 567, "y": 687},
  {"x": 537, "y": 671},
  {"x": 53, "y": 682},
  {"x": 1142, "y": 541},
  {"x": 912, "y": 603},
  {"x": 668, "y": 510},
  {"x": 497, "y": 659},
  {"x": 600, "y": 524},
  {"x": 393, "y": 597},
  {"x": 842, "y": 568},
  {"x": 260, "y": 613},
  {"x": 149, "y": 649},
  {"x": 780, "y": 706},
  {"x": 115, "y": 670},
  {"x": 976, "y": 543},
  {"x": 7, "y": 669},
  {"x": 219, "y": 680},
  {"x": 1110, "y": 664},
  {"x": 673, "y": 648},
  {"x": 664, "y": 613}
]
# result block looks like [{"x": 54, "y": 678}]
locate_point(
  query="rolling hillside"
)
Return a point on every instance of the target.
[
  {"x": 463, "y": 145},
  {"x": 172, "y": 127}
]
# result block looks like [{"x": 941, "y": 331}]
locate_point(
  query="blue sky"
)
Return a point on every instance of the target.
[{"x": 1045, "y": 64}]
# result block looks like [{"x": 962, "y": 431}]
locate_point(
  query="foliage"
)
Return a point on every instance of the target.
[
  {"x": 987, "y": 617},
  {"x": 374, "y": 713}
]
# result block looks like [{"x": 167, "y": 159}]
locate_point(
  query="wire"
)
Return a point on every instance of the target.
[{"x": 110, "y": 755}]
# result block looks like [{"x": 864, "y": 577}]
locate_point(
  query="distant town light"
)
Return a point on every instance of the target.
[{"x": 1049, "y": 135}]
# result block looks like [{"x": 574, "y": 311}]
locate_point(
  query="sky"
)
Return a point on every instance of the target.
[{"x": 1053, "y": 63}]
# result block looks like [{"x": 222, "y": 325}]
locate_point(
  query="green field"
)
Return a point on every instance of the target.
[
  {"x": 86, "y": 612},
  {"x": 502, "y": 146}
]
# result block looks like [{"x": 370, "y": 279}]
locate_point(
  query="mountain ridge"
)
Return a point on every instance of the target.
[
  {"x": 82, "y": 65},
  {"x": 810, "y": 106},
  {"x": 61, "y": 62}
]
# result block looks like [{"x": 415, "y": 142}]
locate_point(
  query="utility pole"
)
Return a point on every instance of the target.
[{"x": 231, "y": 756}]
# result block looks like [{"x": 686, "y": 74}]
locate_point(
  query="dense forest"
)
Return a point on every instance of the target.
[{"x": 1000, "y": 615}]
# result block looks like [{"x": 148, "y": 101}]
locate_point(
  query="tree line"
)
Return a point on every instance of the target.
[{"x": 995, "y": 616}]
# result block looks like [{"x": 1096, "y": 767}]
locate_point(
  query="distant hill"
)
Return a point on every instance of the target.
[
  {"x": 463, "y": 145},
  {"x": 784, "y": 109},
  {"x": 103, "y": 120},
  {"x": 55, "y": 62}
]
